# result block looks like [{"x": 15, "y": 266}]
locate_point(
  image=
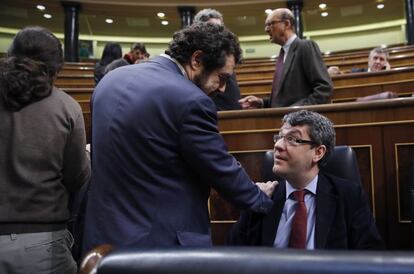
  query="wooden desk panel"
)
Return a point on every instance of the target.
[
  {"x": 75, "y": 81},
  {"x": 351, "y": 86},
  {"x": 79, "y": 93}
]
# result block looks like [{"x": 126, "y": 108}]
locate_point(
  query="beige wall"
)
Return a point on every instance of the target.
[
  {"x": 152, "y": 48},
  {"x": 373, "y": 35},
  {"x": 5, "y": 41},
  {"x": 355, "y": 37}
]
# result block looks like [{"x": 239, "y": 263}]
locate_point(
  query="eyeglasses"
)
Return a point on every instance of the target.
[
  {"x": 271, "y": 23},
  {"x": 292, "y": 141}
]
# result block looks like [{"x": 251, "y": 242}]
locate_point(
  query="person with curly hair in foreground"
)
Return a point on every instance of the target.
[{"x": 156, "y": 149}]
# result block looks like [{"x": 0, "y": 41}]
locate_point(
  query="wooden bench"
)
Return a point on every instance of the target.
[
  {"x": 348, "y": 87},
  {"x": 79, "y": 93},
  {"x": 266, "y": 70},
  {"x": 81, "y": 81}
]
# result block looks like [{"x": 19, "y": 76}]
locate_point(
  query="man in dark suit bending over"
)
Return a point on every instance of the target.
[
  {"x": 156, "y": 149},
  {"x": 311, "y": 209},
  {"x": 301, "y": 77}
]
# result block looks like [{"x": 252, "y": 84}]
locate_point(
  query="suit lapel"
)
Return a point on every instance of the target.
[
  {"x": 287, "y": 64},
  {"x": 271, "y": 220},
  {"x": 326, "y": 203}
]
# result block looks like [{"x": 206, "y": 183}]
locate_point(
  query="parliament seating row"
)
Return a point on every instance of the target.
[
  {"x": 266, "y": 71},
  {"x": 347, "y": 87},
  {"x": 348, "y": 56}
]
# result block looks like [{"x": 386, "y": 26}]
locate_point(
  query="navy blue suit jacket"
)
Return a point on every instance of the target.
[
  {"x": 156, "y": 151},
  {"x": 343, "y": 218}
]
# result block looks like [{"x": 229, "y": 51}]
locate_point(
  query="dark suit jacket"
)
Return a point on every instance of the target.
[
  {"x": 229, "y": 99},
  {"x": 353, "y": 70},
  {"x": 343, "y": 218},
  {"x": 305, "y": 79},
  {"x": 156, "y": 151}
]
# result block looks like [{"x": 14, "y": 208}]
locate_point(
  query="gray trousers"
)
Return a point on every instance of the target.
[{"x": 40, "y": 253}]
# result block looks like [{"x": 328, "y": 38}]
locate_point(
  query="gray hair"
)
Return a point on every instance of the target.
[
  {"x": 287, "y": 15},
  {"x": 379, "y": 50},
  {"x": 206, "y": 14},
  {"x": 321, "y": 129}
]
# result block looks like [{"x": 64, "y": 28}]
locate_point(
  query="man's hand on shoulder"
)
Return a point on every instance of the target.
[{"x": 268, "y": 188}]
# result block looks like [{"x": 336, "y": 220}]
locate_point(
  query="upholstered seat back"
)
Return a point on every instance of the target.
[
  {"x": 341, "y": 163},
  {"x": 249, "y": 260}
]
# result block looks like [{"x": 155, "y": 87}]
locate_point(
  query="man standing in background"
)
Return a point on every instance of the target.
[
  {"x": 301, "y": 77},
  {"x": 138, "y": 52}
]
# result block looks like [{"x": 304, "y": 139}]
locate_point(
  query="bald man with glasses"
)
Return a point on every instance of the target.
[
  {"x": 301, "y": 76},
  {"x": 311, "y": 210}
]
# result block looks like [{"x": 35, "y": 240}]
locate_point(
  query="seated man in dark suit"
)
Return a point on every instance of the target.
[
  {"x": 311, "y": 209},
  {"x": 377, "y": 61}
]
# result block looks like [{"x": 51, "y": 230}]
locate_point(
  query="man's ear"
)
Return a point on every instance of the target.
[
  {"x": 320, "y": 151},
  {"x": 196, "y": 63}
]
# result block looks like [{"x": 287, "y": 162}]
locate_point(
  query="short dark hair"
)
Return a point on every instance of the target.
[
  {"x": 32, "y": 63},
  {"x": 215, "y": 41},
  {"x": 111, "y": 52},
  {"x": 321, "y": 130},
  {"x": 139, "y": 46},
  {"x": 38, "y": 44},
  {"x": 206, "y": 14}
]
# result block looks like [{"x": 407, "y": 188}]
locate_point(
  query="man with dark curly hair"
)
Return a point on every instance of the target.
[{"x": 156, "y": 149}]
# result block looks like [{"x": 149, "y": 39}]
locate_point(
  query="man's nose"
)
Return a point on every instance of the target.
[
  {"x": 279, "y": 144},
  {"x": 222, "y": 87}
]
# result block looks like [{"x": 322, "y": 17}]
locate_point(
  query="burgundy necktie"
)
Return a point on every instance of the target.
[
  {"x": 298, "y": 231},
  {"x": 276, "y": 76}
]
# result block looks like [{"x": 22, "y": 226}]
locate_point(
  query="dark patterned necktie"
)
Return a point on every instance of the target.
[
  {"x": 276, "y": 76},
  {"x": 299, "y": 224}
]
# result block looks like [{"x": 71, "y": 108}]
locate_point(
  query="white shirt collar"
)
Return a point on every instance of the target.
[
  {"x": 289, "y": 42},
  {"x": 311, "y": 187},
  {"x": 177, "y": 63}
]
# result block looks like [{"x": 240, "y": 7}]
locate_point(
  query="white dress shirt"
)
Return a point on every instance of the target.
[{"x": 286, "y": 218}]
